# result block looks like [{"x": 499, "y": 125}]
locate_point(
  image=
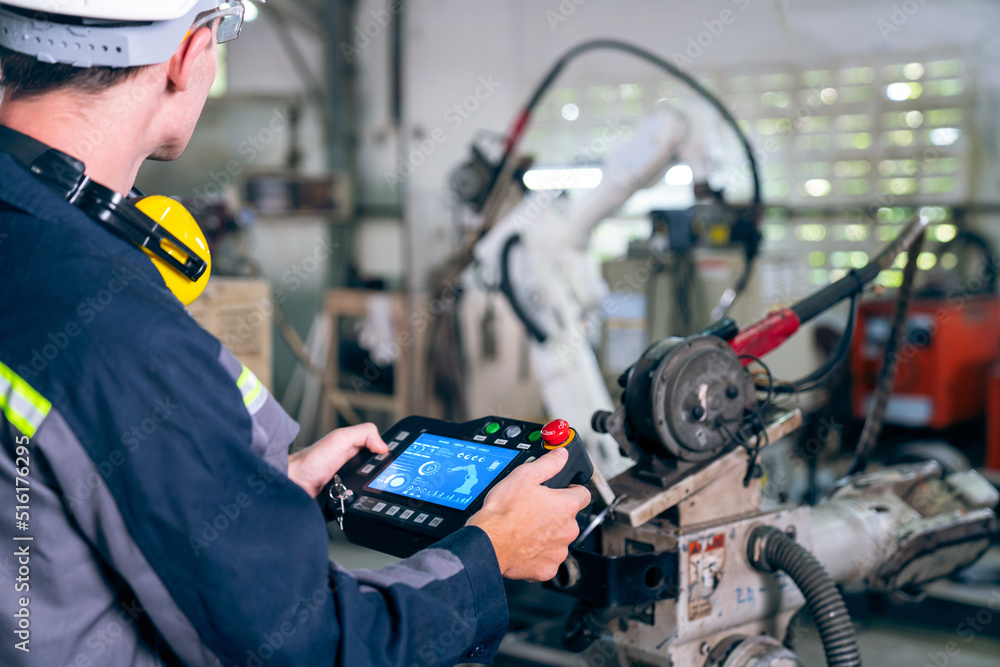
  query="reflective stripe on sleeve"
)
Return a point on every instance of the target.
[
  {"x": 24, "y": 407},
  {"x": 253, "y": 392}
]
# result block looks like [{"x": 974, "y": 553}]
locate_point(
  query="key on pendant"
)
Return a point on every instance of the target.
[{"x": 341, "y": 494}]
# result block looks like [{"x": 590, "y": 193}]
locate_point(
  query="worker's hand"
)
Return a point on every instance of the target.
[
  {"x": 531, "y": 526},
  {"x": 314, "y": 466}
]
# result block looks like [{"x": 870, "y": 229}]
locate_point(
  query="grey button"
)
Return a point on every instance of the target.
[
  {"x": 393, "y": 445},
  {"x": 421, "y": 518},
  {"x": 500, "y": 442},
  {"x": 406, "y": 515},
  {"x": 402, "y": 435},
  {"x": 524, "y": 445},
  {"x": 530, "y": 459},
  {"x": 479, "y": 438},
  {"x": 393, "y": 510},
  {"x": 381, "y": 457},
  {"x": 513, "y": 431},
  {"x": 366, "y": 469},
  {"x": 378, "y": 507},
  {"x": 435, "y": 522}
]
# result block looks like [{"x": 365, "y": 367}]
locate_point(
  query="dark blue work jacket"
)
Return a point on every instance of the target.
[{"x": 146, "y": 515}]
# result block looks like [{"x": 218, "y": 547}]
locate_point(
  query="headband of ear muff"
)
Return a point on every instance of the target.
[{"x": 161, "y": 226}]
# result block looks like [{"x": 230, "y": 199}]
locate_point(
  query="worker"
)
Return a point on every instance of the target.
[{"x": 151, "y": 514}]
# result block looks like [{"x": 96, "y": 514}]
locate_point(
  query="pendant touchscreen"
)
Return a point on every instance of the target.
[
  {"x": 444, "y": 471},
  {"x": 437, "y": 474}
]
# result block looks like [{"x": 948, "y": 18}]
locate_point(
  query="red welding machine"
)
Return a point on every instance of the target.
[{"x": 945, "y": 360}]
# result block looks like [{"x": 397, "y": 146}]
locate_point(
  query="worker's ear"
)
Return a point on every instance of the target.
[{"x": 180, "y": 68}]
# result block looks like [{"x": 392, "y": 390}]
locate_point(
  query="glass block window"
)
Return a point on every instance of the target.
[
  {"x": 831, "y": 135},
  {"x": 825, "y": 135}
]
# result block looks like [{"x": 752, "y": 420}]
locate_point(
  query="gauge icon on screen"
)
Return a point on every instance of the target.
[
  {"x": 429, "y": 468},
  {"x": 396, "y": 481}
]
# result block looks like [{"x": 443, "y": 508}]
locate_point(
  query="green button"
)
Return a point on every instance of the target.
[
  {"x": 492, "y": 428},
  {"x": 535, "y": 436}
]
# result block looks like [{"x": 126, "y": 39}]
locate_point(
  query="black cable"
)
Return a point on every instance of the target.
[
  {"x": 742, "y": 441},
  {"x": 970, "y": 238},
  {"x": 751, "y": 245},
  {"x": 770, "y": 378},
  {"x": 821, "y": 375},
  {"x": 735, "y": 437},
  {"x": 887, "y": 375},
  {"x": 759, "y": 428},
  {"x": 508, "y": 290},
  {"x": 754, "y": 420},
  {"x": 846, "y": 287},
  {"x": 656, "y": 60}
]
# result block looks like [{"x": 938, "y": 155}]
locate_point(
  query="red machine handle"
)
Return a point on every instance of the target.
[{"x": 765, "y": 335}]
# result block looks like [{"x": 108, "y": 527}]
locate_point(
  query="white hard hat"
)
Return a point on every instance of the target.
[
  {"x": 122, "y": 10},
  {"x": 108, "y": 33}
]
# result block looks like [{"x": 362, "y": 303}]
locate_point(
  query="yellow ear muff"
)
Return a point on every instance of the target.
[{"x": 176, "y": 219}]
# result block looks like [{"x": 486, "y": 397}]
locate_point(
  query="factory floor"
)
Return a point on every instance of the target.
[{"x": 885, "y": 642}]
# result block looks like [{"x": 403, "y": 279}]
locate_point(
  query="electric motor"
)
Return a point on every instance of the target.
[{"x": 686, "y": 397}]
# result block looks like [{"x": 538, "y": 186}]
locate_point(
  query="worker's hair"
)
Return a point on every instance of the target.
[{"x": 24, "y": 76}]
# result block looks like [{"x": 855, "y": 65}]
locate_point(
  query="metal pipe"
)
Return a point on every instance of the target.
[{"x": 838, "y": 528}]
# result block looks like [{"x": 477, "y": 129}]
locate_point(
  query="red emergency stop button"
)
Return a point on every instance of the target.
[{"x": 557, "y": 433}]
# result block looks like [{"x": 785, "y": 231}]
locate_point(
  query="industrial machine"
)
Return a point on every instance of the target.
[
  {"x": 679, "y": 563},
  {"x": 952, "y": 347},
  {"x": 952, "y": 344},
  {"x": 437, "y": 474},
  {"x": 535, "y": 254},
  {"x": 562, "y": 291},
  {"x": 683, "y": 566}
]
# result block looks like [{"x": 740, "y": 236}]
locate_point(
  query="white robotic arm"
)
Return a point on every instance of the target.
[{"x": 538, "y": 253}]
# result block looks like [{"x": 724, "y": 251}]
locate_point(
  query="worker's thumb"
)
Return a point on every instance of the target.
[{"x": 546, "y": 467}]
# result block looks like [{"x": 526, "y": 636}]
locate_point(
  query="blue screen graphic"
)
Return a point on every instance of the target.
[{"x": 443, "y": 470}]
